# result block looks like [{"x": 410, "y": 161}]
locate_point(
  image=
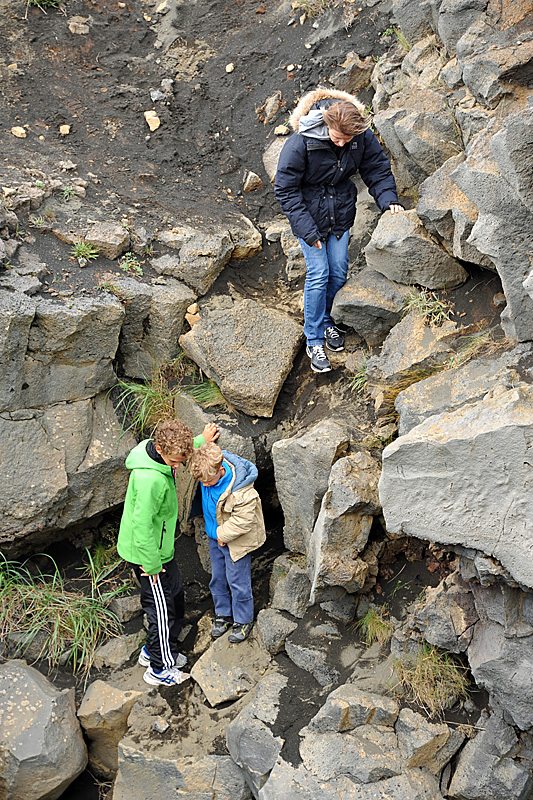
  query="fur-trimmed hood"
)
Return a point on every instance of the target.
[{"x": 308, "y": 100}]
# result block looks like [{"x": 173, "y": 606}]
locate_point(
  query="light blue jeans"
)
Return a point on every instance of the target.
[
  {"x": 327, "y": 270},
  {"x": 231, "y": 584}
]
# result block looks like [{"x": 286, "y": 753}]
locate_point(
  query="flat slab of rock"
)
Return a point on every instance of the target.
[
  {"x": 227, "y": 671},
  {"x": 411, "y": 343},
  {"x": 111, "y": 238},
  {"x": 201, "y": 779},
  {"x": 402, "y": 249},
  {"x": 367, "y": 755},
  {"x": 482, "y": 450},
  {"x": 451, "y": 389},
  {"x": 248, "y": 350}
]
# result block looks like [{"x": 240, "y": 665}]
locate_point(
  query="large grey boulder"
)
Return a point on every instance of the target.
[
  {"x": 425, "y": 744},
  {"x": 201, "y": 255},
  {"x": 343, "y": 524},
  {"x": 369, "y": 303},
  {"x": 111, "y": 238},
  {"x": 249, "y": 738},
  {"x": 61, "y": 464},
  {"x": 302, "y": 464},
  {"x": 273, "y": 628},
  {"x": 486, "y": 769},
  {"x": 452, "y": 388},
  {"x": 348, "y": 707},
  {"x": 493, "y": 179},
  {"x": 103, "y": 715},
  {"x": 481, "y": 451},
  {"x": 289, "y": 783},
  {"x": 152, "y": 324},
  {"x": 402, "y": 250},
  {"x": 414, "y": 18},
  {"x": 292, "y": 591},
  {"x": 248, "y": 350},
  {"x": 41, "y": 745},
  {"x": 455, "y": 17},
  {"x": 447, "y": 615},
  {"x": 313, "y": 660},
  {"x": 55, "y": 351}
]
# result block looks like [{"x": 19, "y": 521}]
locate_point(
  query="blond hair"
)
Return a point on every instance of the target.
[
  {"x": 173, "y": 438},
  {"x": 206, "y": 461},
  {"x": 345, "y": 118}
]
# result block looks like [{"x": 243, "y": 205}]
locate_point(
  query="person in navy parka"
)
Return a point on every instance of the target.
[{"x": 332, "y": 142}]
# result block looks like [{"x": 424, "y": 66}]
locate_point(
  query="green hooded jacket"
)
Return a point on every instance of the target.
[{"x": 148, "y": 524}]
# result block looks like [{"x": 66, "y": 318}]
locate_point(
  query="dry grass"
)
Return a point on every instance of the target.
[{"x": 434, "y": 682}]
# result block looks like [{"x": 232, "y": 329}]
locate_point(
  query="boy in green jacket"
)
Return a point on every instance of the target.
[{"x": 146, "y": 541}]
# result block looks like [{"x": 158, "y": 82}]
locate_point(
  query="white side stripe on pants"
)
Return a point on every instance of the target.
[{"x": 162, "y": 622}]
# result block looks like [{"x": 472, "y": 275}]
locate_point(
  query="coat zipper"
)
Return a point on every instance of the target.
[{"x": 162, "y": 534}]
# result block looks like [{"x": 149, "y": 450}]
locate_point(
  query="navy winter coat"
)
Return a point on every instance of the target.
[{"x": 314, "y": 188}]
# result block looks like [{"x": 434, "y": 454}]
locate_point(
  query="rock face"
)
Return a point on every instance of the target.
[
  {"x": 496, "y": 179},
  {"x": 402, "y": 250},
  {"x": 56, "y": 351},
  {"x": 62, "y": 463},
  {"x": 152, "y": 324},
  {"x": 41, "y": 745},
  {"x": 343, "y": 525},
  {"x": 302, "y": 465},
  {"x": 248, "y": 351},
  {"x": 464, "y": 475},
  {"x": 485, "y": 770}
]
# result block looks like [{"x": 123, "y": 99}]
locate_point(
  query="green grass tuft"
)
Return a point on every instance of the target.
[
  {"x": 357, "y": 382},
  {"x": 85, "y": 250},
  {"x": 429, "y": 306},
  {"x": 375, "y": 625}
]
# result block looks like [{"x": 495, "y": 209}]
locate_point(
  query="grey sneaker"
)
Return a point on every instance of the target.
[
  {"x": 319, "y": 360},
  {"x": 240, "y": 632},
  {"x": 220, "y": 626},
  {"x": 144, "y": 659},
  {"x": 334, "y": 338}
]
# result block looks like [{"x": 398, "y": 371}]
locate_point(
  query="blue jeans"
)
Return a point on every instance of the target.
[
  {"x": 327, "y": 270},
  {"x": 231, "y": 584}
]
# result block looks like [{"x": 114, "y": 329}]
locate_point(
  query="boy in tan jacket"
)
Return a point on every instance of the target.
[{"x": 235, "y": 527}]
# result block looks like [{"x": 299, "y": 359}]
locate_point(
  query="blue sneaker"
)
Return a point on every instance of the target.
[
  {"x": 144, "y": 659},
  {"x": 167, "y": 677}
]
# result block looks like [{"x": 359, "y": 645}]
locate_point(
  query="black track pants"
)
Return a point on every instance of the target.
[{"x": 164, "y": 605}]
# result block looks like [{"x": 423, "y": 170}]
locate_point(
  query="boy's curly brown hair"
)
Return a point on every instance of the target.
[{"x": 174, "y": 438}]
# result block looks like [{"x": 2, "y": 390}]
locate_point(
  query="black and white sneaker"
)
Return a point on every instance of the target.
[
  {"x": 334, "y": 338},
  {"x": 240, "y": 632},
  {"x": 319, "y": 360},
  {"x": 220, "y": 626}
]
